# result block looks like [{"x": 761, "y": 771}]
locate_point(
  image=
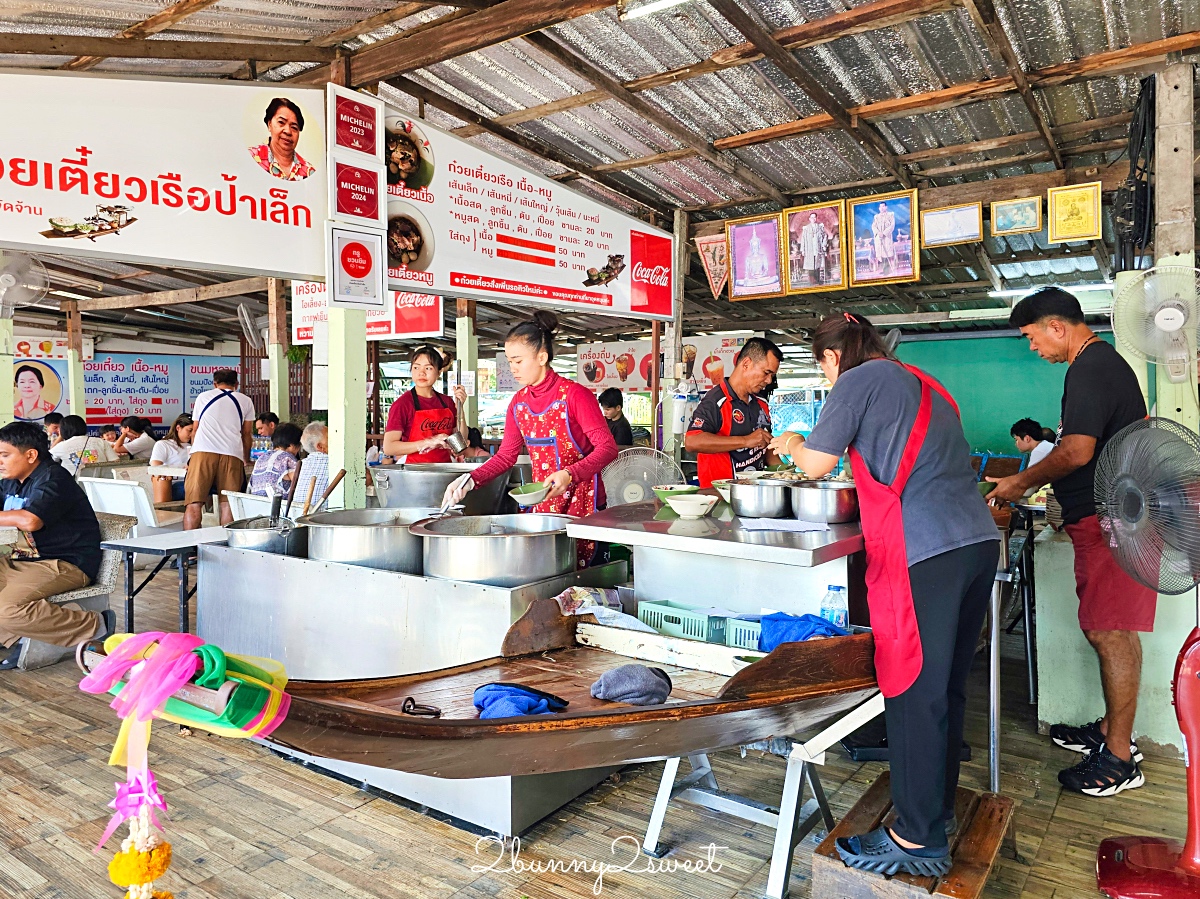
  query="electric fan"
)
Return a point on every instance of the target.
[
  {"x": 1148, "y": 503},
  {"x": 1157, "y": 316},
  {"x": 249, "y": 327},
  {"x": 23, "y": 282},
  {"x": 892, "y": 339},
  {"x": 630, "y": 477}
]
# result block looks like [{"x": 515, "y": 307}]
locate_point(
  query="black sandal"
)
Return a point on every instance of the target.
[
  {"x": 10, "y": 661},
  {"x": 878, "y": 852},
  {"x": 412, "y": 707}
]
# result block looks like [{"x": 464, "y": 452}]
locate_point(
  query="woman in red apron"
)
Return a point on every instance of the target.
[
  {"x": 421, "y": 419},
  {"x": 932, "y": 550},
  {"x": 558, "y": 423}
]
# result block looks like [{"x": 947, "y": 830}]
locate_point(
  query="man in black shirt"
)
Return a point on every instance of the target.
[
  {"x": 59, "y": 549},
  {"x": 1101, "y": 396},
  {"x": 611, "y": 403}
]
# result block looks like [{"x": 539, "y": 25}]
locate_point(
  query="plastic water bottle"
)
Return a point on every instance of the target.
[{"x": 835, "y": 609}]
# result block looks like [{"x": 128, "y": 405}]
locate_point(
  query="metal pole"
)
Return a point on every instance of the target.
[
  {"x": 655, "y": 384},
  {"x": 994, "y": 687}
]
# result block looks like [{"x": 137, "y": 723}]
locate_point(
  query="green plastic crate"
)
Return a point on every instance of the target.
[
  {"x": 742, "y": 634},
  {"x": 676, "y": 620}
]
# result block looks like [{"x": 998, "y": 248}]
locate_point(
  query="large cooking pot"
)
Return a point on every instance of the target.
[
  {"x": 423, "y": 486},
  {"x": 830, "y": 501},
  {"x": 370, "y": 538},
  {"x": 759, "y": 498},
  {"x": 285, "y": 538},
  {"x": 500, "y": 550}
]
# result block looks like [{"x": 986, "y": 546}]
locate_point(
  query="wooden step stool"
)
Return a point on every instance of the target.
[{"x": 983, "y": 822}]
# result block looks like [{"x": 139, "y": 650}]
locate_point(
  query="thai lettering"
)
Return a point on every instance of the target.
[
  {"x": 107, "y": 185},
  {"x": 24, "y": 172}
]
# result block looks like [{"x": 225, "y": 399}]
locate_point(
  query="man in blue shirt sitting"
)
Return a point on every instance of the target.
[{"x": 58, "y": 548}]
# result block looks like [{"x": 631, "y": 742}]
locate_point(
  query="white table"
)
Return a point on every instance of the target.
[{"x": 179, "y": 545}]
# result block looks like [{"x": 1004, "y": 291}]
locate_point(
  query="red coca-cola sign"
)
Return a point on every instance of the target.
[
  {"x": 418, "y": 315},
  {"x": 356, "y": 125},
  {"x": 650, "y": 278},
  {"x": 359, "y": 190}
]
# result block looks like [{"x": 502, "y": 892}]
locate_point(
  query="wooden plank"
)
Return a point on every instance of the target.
[
  {"x": 977, "y": 848},
  {"x": 107, "y": 47},
  {"x": 664, "y": 650},
  {"x": 975, "y": 146},
  {"x": 175, "y": 297},
  {"x": 160, "y": 21},
  {"x": 543, "y": 627},
  {"x": 371, "y": 23},
  {"x": 989, "y": 189},
  {"x": 641, "y": 161}
]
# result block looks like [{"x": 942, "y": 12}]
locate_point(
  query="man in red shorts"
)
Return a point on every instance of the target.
[{"x": 1101, "y": 396}]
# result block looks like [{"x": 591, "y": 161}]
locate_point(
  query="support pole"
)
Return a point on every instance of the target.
[
  {"x": 277, "y": 347},
  {"x": 466, "y": 349},
  {"x": 348, "y": 405},
  {"x": 7, "y": 397},
  {"x": 76, "y": 399},
  {"x": 655, "y": 386}
]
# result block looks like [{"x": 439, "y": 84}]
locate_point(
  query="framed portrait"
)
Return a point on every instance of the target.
[
  {"x": 949, "y": 225},
  {"x": 884, "y": 233},
  {"x": 756, "y": 254},
  {"x": 816, "y": 236},
  {"x": 1074, "y": 212},
  {"x": 1016, "y": 216}
]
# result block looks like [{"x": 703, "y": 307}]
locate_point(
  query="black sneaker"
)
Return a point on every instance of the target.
[
  {"x": 1102, "y": 774},
  {"x": 1086, "y": 738}
]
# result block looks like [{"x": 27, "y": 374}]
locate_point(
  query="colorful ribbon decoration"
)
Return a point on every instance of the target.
[{"x": 131, "y": 797}]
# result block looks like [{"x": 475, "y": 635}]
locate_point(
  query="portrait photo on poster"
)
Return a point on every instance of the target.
[
  {"x": 884, "y": 230},
  {"x": 1020, "y": 216},
  {"x": 815, "y": 237},
  {"x": 949, "y": 225},
  {"x": 1074, "y": 212},
  {"x": 37, "y": 390},
  {"x": 279, "y": 154},
  {"x": 756, "y": 252}
]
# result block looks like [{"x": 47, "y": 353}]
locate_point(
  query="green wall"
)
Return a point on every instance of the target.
[{"x": 995, "y": 381}]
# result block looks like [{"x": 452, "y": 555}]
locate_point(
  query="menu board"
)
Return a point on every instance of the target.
[
  {"x": 626, "y": 366},
  {"x": 463, "y": 222}
]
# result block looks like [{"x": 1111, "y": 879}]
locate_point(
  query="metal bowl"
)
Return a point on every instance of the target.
[
  {"x": 829, "y": 501},
  {"x": 286, "y": 538},
  {"x": 759, "y": 498},
  {"x": 500, "y": 550},
  {"x": 370, "y": 538},
  {"x": 423, "y": 486}
]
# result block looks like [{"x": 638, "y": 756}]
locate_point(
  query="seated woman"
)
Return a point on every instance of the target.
[
  {"x": 172, "y": 451},
  {"x": 76, "y": 449},
  {"x": 273, "y": 472},
  {"x": 316, "y": 461},
  {"x": 475, "y": 448},
  {"x": 137, "y": 438}
]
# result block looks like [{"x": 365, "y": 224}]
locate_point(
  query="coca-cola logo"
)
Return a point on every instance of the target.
[
  {"x": 659, "y": 275},
  {"x": 409, "y": 302}
]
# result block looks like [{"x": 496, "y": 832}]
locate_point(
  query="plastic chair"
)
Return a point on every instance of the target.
[
  {"x": 118, "y": 496},
  {"x": 247, "y": 505}
]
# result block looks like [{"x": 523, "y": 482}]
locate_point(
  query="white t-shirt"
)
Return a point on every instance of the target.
[
  {"x": 140, "y": 447},
  {"x": 171, "y": 454},
  {"x": 219, "y": 416},
  {"x": 1040, "y": 452},
  {"x": 80, "y": 451}
]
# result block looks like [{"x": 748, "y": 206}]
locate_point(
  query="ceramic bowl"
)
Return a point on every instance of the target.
[
  {"x": 689, "y": 507},
  {"x": 722, "y": 487},
  {"x": 665, "y": 491},
  {"x": 529, "y": 494}
]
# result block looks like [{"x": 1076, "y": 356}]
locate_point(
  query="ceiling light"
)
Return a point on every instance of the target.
[
  {"x": 646, "y": 9},
  {"x": 1073, "y": 288},
  {"x": 67, "y": 295}
]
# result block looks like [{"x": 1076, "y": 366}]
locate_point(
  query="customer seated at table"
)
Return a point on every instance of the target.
[
  {"x": 273, "y": 471},
  {"x": 58, "y": 548},
  {"x": 1029, "y": 437},
  {"x": 315, "y": 441},
  {"x": 266, "y": 423},
  {"x": 76, "y": 449},
  {"x": 172, "y": 451},
  {"x": 53, "y": 425},
  {"x": 137, "y": 438},
  {"x": 109, "y": 433}
]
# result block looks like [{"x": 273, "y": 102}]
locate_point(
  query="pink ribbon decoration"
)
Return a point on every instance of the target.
[{"x": 141, "y": 791}]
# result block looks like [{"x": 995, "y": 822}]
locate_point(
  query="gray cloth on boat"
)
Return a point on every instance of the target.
[{"x": 634, "y": 684}]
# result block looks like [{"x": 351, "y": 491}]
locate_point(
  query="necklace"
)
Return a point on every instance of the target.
[{"x": 1083, "y": 347}]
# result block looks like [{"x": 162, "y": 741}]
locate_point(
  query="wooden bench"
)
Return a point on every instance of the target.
[{"x": 984, "y": 820}]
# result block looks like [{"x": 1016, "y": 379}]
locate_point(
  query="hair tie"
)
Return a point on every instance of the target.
[{"x": 850, "y": 318}]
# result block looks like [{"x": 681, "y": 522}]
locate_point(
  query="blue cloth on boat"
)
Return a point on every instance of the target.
[
  {"x": 513, "y": 700},
  {"x": 781, "y": 628}
]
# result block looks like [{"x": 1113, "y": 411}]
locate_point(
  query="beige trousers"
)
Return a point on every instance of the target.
[{"x": 24, "y": 611}]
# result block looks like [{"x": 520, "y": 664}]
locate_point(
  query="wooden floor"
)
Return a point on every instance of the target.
[{"x": 246, "y": 824}]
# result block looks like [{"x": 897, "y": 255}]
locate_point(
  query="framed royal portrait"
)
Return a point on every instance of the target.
[
  {"x": 950, "y": 225},
  {"x": 1074, "y": 212},
  {"x": 756, "y": 257},
  {"x": 1016, "y": 216},
  {"x": 883, "y": 230},
  {"x": 816, "y": 238}
]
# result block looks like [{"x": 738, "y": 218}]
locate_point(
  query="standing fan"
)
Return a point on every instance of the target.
[
  {"x": 23, "y": 282},
  {"x": 1157, "y": 316},
  {"x": 892, "y": 339},
  {"x": 630, "y": 477},
  {"x": 1148, "y": 502},
  {"x": 249, "y": 326}
]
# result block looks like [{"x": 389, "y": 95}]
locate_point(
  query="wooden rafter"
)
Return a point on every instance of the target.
[
  {"x": 160, "y": 21},
  {"x": 98, "y": 48},
  {"x": 371, "y": 23},
  {"x": 175, "y": 297}
]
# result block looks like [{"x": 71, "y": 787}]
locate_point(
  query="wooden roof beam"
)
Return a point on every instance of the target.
[
  {"x": 160, "y": 21},
  {"x": 100, "y": 48},
  {"x": 140, "y": 301}
]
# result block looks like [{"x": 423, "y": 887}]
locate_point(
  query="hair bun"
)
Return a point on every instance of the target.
[{"x": 546, "y": 320}]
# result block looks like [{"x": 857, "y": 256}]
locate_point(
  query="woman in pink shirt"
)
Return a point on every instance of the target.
[{"x": 558, "y": 422}]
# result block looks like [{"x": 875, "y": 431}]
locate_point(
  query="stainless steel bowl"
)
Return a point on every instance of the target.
[
  {"x": 286, "y": 538},
  {"x": 829, "y": 501},
  {"x": 370, "y": 538},
  {"x": 456, "y": 442},
  {"x": 500, "y": 550},
  {"x": 423, "y": 486},
  {"x": 759, "y": 498}
]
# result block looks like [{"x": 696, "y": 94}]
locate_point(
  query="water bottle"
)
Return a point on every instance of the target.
[{"x": 835, "y": 609}]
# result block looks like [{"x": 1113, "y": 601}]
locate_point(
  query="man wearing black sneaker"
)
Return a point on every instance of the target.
[{"x": 1101, "y": 396}]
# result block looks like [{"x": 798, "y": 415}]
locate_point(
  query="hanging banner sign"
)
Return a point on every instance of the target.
[
  {"x": 463, "y": 222},
  {"x": 708, "y": 360},
  {"x": 37, "y": 347},
  {"x": 158, "y": 388},
  {"x": 407, "y": 315},
  {"x": 714, "y": 254},
  {"x": 625, "y": 366},
  {"x": 196, "y": 175}
]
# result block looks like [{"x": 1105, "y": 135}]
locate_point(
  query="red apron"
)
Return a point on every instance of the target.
[
  {"x": 552, "y": 447},
  {"x": 898, "y": 655},
  {"x": 428, "y": 423},
  {"x": 717, "y": 466}
]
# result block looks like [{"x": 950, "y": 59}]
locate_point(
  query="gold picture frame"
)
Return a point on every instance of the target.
[
  {"x": 1020, "y": 216},
  {"x": 799, "y": 279},
  {"x": 861, "y": 225},
  {"x": 753, "y": 273},
  {"x": 952, "y": 225},
  {"x": 1073, "y": 212}
]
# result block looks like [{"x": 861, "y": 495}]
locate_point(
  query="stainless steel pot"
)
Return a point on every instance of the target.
[
  {"x": 286, "y": 538},
  {"x": 423, "y": 486},
  {"x": 828, "y": 501},
  {"x": 456, "y": 442},
  {"x": 500, "y": 550},
  {"x": 370, "y": 538},
  {"x": 759, "y": 498}
]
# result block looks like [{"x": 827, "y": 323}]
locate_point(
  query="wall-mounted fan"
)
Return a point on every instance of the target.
[
  {"x": 249, "y": 327},
  {"x": 23, "y": 282},
  {"x": 1157, "y": 316}
]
